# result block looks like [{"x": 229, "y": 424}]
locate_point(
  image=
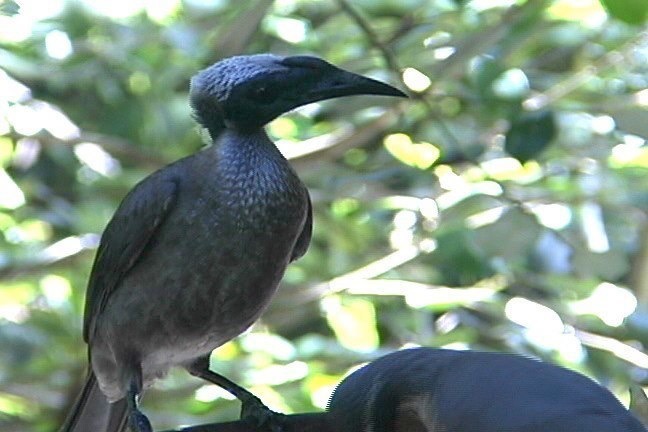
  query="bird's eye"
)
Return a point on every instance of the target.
[{"x": 262, "y": 94}]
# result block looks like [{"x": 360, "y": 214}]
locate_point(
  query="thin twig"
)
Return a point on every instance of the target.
[
  {"x": 616, "y": 347},
  {"x": 593, "y": 69},
  {"x": 115, "y": 146},
  {"x": 371, "y": 270},
  {"x": 335, "y": 145},
  {"x": 387, "y": 54},
  {"x": 393, "y": 64},
  {"x": 525, "y": 207}
]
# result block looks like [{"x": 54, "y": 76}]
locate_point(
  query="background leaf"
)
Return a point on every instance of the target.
[
  {"x": 506, "y": 199},
  {"x": 529, "y": 135},
  {"x": 630, "y": 11}
]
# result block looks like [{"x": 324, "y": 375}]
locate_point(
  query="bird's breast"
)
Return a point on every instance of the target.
[{"x": 227, "y": 255}]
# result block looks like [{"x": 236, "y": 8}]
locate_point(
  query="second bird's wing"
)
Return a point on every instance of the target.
[{"x": 125, "y": 239}]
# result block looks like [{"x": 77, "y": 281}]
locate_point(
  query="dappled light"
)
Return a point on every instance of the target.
[
  {"x": 211, "y": 392},
  {"x": 502, "y": 206},
  {"x": 97, "y": 159},
  {"x": 12, "y": 197},
  {"x": 612, "y": 304},
  {"x": 416, "y": 80},
  {"x": 58, "y": 44}
]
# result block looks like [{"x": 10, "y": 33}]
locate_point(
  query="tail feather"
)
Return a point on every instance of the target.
[{"x": 93, "y": 413}]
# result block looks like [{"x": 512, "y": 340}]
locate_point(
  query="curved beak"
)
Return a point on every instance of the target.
[{"x": 338, "y": 82}]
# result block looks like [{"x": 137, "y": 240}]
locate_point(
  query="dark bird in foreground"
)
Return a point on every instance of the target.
[
  {"x": 196, "y": 250},
  {"x": 436, "y": 390}
]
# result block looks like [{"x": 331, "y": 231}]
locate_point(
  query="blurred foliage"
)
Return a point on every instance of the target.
[{"x": 502, "y": 207}]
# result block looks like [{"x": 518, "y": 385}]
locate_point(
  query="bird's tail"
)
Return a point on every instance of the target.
[{"x": 92, "y": 412}]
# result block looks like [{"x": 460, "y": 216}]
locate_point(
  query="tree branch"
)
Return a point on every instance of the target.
[
  {"x": 387, "y": 54},
  {"x": 395, "y": 67},
  {"x": 117, "y": 147},
  {"x": 335, "y": 145}
]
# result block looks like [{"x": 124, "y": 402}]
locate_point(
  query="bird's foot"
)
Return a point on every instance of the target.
[
  {"x": 255, "y": 412},
  {"x": 138, "y": 422}
]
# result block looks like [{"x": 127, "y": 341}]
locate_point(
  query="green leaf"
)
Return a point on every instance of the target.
[
  {"x": 420, "y": 155},
  {"x": 529, "y": 135},
  {"x": 496, "y": 239},
  {"x": 610, "y": 265},
  {"x": 629, "y": 11},
  {"x": 484, "y": 71},
  {"x": 9, "y": 8},
  {"x": 353, "y": 321}
]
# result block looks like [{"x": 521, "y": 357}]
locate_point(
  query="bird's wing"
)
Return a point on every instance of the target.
[
  {"x": 124, "y": 241},
  {"x": 301, "y": 246}
]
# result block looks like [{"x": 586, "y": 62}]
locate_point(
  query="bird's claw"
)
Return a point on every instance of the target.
[
  {"x": 139, "y": 422},
  {"x": 255, "y": 412}
]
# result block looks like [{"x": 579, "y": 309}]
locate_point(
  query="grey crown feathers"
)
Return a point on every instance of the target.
[{"x": 219, "y": 79}]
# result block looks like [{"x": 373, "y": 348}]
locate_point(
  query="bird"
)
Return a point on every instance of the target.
[
  {"x": 431, "y": 390},
  {"x": 195, "y": 251}
]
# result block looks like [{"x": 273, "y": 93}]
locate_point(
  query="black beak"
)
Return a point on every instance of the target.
[{"x": 338, "y": 82}]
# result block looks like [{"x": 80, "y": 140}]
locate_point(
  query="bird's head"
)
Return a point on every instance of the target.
[{"x": 246, "y": 92}]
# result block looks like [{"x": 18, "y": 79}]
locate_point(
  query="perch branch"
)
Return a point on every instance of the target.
[{"x": 308, "y": 422}]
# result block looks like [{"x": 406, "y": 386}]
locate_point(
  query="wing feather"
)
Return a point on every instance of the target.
[{"x": 125, "y": 241}]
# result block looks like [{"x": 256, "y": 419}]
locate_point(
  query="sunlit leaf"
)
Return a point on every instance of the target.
[
  {"x": 353, "y": 321},
  {"x": 421, "y": 155},
  {"x": 9, "y": 7},
  {"x": 630, "y": 11},
  {"x": 6, "y": 151},
  {"x": 430, "y": 192}
]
